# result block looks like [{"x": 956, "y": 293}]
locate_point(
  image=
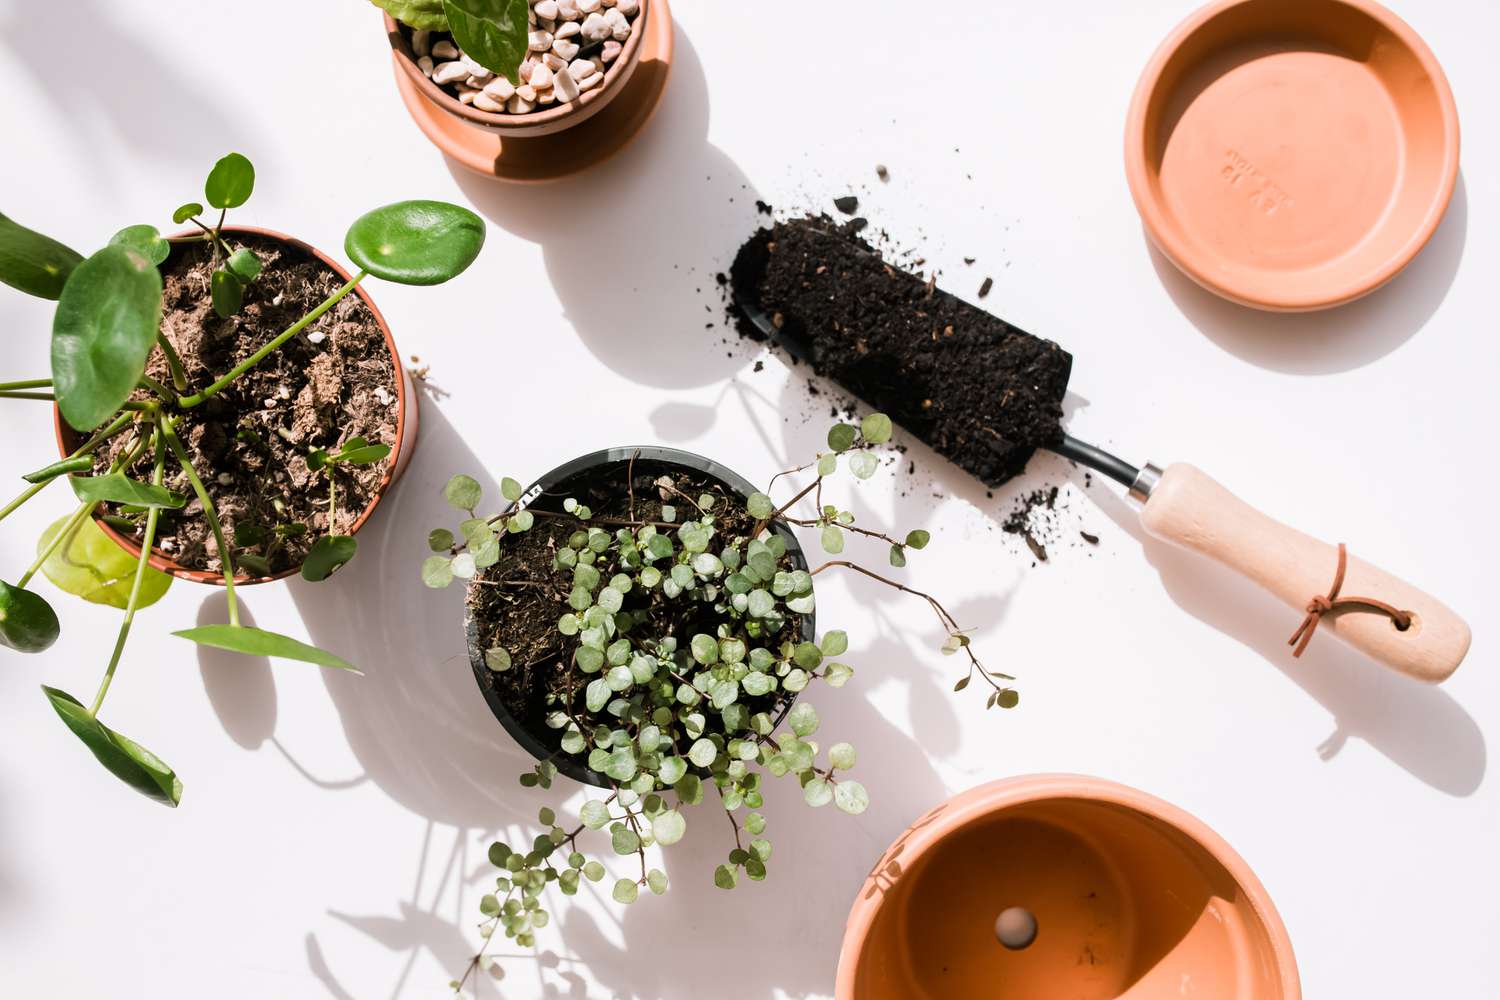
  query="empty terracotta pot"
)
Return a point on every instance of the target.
[{"x": 1129, "y": 897}]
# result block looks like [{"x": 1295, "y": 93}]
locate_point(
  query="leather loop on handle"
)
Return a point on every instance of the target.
[{"x": 1190, "y": 509}]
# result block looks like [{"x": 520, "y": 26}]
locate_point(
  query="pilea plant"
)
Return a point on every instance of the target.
[
  {"x": 493, "y": 33},
  {"x": 683, "y": 626},
  {"x": 107, "y": 325}
]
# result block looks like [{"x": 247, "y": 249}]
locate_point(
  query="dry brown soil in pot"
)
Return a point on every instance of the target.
[
  {"x": 979, "y": 391},
  {"x": 250, "y": 442},
  {"x": 522, "y": 614}
]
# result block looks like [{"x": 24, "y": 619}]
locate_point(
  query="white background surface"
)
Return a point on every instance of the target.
[{"x": 331, "y": 837}]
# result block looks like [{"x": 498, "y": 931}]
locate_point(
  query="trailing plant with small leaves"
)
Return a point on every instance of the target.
[
  {"x": 669, "y": 716},
  {"x": 106, "y": 327}
]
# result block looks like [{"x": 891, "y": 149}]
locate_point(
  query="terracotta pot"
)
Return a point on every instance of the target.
[
  {"x": 1132, "y": 898},
  {"x": 406, "y": 429},
  {"x": 544, "y": 121},
  {"x": 1292, "y": 156},
  {"x": 548, "y": 493}
]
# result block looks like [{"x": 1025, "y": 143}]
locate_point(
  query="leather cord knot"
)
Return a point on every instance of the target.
[{"x": 1321, "y": 605}]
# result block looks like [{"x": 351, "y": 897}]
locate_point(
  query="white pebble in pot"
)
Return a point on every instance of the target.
[
  {"x": 596, "y": 28},
  {"x": 445, "y": 50},
  {"x": 565, "y": 85},
  {"x": 588, "y": 6},
  {"x": 546, "y": 9}
]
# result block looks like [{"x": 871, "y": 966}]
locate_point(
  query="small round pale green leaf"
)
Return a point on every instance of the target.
[
  {"x": 625, "y": 891},
  {"x": 510, "y": 489},
  {"x": 463, "y": 492},
  {"x": 817, "y": 792},
  {"x": 437, "y": 571},
  {"x": 657, "y": 880},
  {"x": 841, "y": 436},
  {"x": 440, "y": 540},
  {"x": 416, "y": 242},
  {"x": 703, "y": 752},
  {"x": 851, "y": 797},
  {"x": 918, "y": 538},
  {"x": 726, "y": 877},
  {"x": 760, "y": 506},
  {"x": 230, "y": 182},
  {"x": 876, "y": 428},
  {"x": 498, "y": 660},
  {"x": 803, "y": 719},
  {"x": 834, "y": 643},
  {"x": 594, "y": 814},
  {"x": 832, "y": 538},
  {"x": 669, "y": 827},
  {"x": 841, "y": 756},
  {"x": 863, "y": 464}
]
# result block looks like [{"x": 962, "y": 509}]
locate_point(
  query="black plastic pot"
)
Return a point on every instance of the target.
[{"x": 548, "y": 493}]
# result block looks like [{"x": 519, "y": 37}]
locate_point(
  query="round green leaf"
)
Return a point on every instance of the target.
[
  {"x": 35, "y": 264},
  {"x": 625, "y": 891},
  {"x": 27, "y": 622},
  {"x": 851, "y": 797},
  {"x": 186, "y": 212},
  {"x": 416, "y": 242},
  {"x": 703, "y": 753},
  {"x": 671, "y": 771},
  {"x": 841, "y": 756},
  {"x": 230, "y": 182},
  {"x": 832, "y": 538},
  {"x": 803, "y": 719},
  {"x": 510, "y": 489},
  {"x": 327, "y": 554},
  {"x": 835, "y": 643},
  {"x": 669, "y": 827},
  {"x": 725, "y": 877},
  {"x": 918, "y": 538},
  {"x": 437, "y": 572},
  {"x": 657, "y": 880},
  {"x": 244, "y": 263},
  {"x": 463, "y": 492},
  {"x": 497, "y": 658},
  {"x": 92, "y": 566},
  {"x": 760, "y": 506},
  {"x": 440, "y": 540},
  {"x": 841, "y": 436},
  {"x": 863, "y": 464},
  {"x": 876, "y": 428},
  {"x": 228, "y": 292},
  {"x": 145, "y": 240},
  {"x": 817, "y": 793},
  {"x": 104, "y": 327}
]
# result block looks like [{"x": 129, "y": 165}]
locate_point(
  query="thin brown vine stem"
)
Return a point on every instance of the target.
[
  {"x": 760, "y": 525},
  {"x": 813, "y": 522},
  {"x": 732, "y": 822},
  {"x": 630, "y": 482}
]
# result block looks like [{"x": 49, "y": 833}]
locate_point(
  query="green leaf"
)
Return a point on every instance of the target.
[
  {"x": 49, "y": 472},
  {"x": 898, "y": 556},
  {"x": 594, "y": 814},
  {"x": 463, "y": 492},
  {"x": 833, "y": 539},
  {"x": 228, "y": 292},
  {"x": 828, "y": 464},
  {"x": 760, "y": 506},
  {"x": 497, "y": 658},
  {"x": 440, "y": 540},
  {"x": 418, "y": 242},
  {"x": 624, "y": 840},
  {"x": 726, "y": 877},
  {"x": 918, "y": 539},
  {"x": 1008, "y": 698},
  {"x": 705, "y": 649},
  {"x": 103, "y": 330},
  {"x": 703, "y": 752},
  {"x": 863, "y": 464},
  {"x": 669, "y": 827},
  {"x": 671, "y": 771},
  {"x": 510, "y": 489},
  {"x": 119, "y": 488},
  {"x": 841, "y": 756},
  {"x": 489, "y": 905},
  {"x": 124, "y": 758},
  {"x": 491, "y": 32},
  {"x": 593, "y": 871},
  {"x": 364, "y": 456},
  {"x": 143, "y": 239},
  {"x": 841, "y": 436},
  {"x": 835, "y": 643},
  {"x": 424, "y": 15},
  {"x": 851, "y": 797},
  {"x": 35, "y": 264},
  {"x": 621, "y": 765},
  {"x": 245, "y": 264},
  {"x": 803, "y": 719},
  {"x": 326, "y": 555},
  {"x": 657, "y": 880},
  {"x": 92, "y": 566},
  {"x": 230, "y": 182},
  {"x": 817, "y": 793},
  {"x": 27, "y": 622},
  {"x": 257, "y": 642},
  {"x": 760, "y": 603},
  {"x": 186, "y": 212},
  {"x": 876, "y": 428},
  {"x": 625, "y": 891},
  {"x": 437, "y": 572}
]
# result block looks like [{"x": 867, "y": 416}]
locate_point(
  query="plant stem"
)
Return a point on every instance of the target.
[
  {"x": 9, "y": 394},
  {"x": 29, "y": 383},
  {"x": 84, "y": 510},
  {"x": 174, "y": 362},
  {"x": 166, "y": 395},
  {"x": 140, "y": 578},
  {"x": 209, "y": 513},
  {"x": 88, "y": 446},
  {"x": 188, "y": 402}
]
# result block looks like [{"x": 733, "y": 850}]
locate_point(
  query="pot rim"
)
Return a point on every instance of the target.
[
  {"x": 987, "y": 800},
  {"x": 405, "y": 398},
  {"x": 568, "y": 764},
  {"x": 1155, "y": 217},
  {"x": 580, "y": 109}
]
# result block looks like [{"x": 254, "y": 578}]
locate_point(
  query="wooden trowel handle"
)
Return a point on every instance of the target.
[{"x": 1188, "y": 508}]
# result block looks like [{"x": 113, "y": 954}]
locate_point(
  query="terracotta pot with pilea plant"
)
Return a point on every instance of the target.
[
  {"x": 643, "y": 620},
  {"x": 231, "y": 406}
]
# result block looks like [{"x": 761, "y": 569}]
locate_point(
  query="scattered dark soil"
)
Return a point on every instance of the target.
[
  {"x": 250, "y": 442},
  {"x": 522, "y": 616},
  {"x": 981, "y": 392},
  {"x": 985, "y": 286},
  {"x": 848, "y": 204}
]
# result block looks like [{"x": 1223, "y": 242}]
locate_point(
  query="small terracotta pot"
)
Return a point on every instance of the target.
[
  {"x": 544, "y": 121},
  {"x": 406, "y": 428},
  {"x": 552, "y": 489},
  {"x": 1132, "y": 898}
]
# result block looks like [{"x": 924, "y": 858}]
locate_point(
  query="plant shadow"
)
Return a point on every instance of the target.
[
  {"x": 241, "y": 688},
  {"x": 632, "y": 245},
  {"x": 1420, "y": 728},
  {"x": 1333, "y": 340}
]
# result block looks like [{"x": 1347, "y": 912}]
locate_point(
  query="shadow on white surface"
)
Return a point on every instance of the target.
[
  {"x": 632, "y": 245},
  {"x": 1420, "y": 728},
  {"x": 117, "y": 109},
  {"x": 241, "y": 689},
  {"x": 1333, "y": 340}
]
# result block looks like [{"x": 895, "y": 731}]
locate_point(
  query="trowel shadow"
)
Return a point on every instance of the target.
[
  {"x": 1333, "y": 340},
  {"x": 632, "y": 245},
  {"x": 1420, "y": 728}
]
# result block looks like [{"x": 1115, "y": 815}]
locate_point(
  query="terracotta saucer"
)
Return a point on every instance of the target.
[
  {"x": 1292, "y": 156},
  {"x": 551, "y": 157}
]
